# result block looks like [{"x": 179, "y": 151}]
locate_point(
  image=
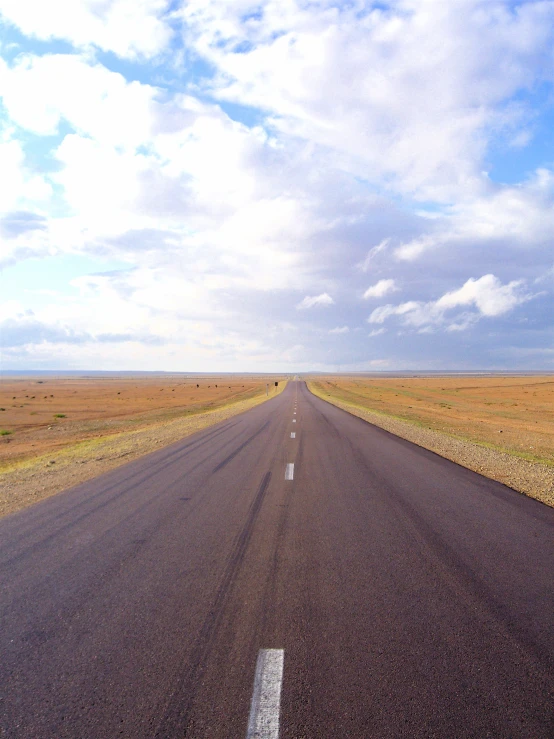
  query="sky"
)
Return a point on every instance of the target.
[{"x": 277, "y": 185}]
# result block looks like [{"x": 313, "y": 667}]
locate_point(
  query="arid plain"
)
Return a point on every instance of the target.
[
  {"x": 57, "y": 432},
  {"x": 501, "y": 426}
]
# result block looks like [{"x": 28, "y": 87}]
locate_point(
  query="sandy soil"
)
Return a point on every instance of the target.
[
  {"x": 501, "y": 427},
  {"x": 107, "y": 422}
]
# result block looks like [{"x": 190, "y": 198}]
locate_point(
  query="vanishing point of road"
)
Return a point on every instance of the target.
[{"x": 292, "y": 572}]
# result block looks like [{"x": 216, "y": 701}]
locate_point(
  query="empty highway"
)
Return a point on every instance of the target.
[{"x": 396, "y": 593}]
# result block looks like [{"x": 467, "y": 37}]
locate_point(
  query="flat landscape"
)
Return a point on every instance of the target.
[
  {"x": 391, "y": 592},
  {"x": 512, "y": 414},
  {"x": 500, "y": 426},
  {"x": 57, "y": 432},
  {"x": 42, "y": 415}
]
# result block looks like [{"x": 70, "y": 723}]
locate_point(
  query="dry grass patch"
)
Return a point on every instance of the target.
[{"x": 46, "y": 415}]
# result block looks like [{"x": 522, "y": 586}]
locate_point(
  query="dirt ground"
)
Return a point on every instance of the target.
[
  {"x": 501, "y": 427},
  {"x": 40, "y": 415}
]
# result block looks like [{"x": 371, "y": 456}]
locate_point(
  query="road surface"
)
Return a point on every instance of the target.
[{"x": 398, "y": 594}]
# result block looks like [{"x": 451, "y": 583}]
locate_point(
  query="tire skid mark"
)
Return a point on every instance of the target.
[
  {"x": 446, "y": 562},
  {"x": 115, "y": 564},
  {"x": 456, "y": 574},
  {"x": 163, "y": 464},
  {"x": 240, "y": 448},
  {"x": 176, "y": 716}
]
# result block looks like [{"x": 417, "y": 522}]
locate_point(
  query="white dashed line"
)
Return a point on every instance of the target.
[
  {"x": 266, "y": 697},
  {"x": 289, "y": 472},
  {"x": 294, "y": 420},
  {"x": 292, "y": 435}
]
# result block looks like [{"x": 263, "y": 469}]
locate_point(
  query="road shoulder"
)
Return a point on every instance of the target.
[
  {"x": 44, "y": 476},
  {"x": 531, "y": 478}
]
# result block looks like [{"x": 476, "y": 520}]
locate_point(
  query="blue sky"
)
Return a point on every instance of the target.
[{"x": 260, "y": 185}]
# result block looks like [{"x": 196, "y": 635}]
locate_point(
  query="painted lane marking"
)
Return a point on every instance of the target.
[
  {"x": 294, "y": 420},
  {"x": 289, "y": 472},
  {"x": 263, "y": 722},
  {"x": 292, "y": 435}
]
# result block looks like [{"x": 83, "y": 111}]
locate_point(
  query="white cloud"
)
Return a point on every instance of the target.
[
  {"x": 521, "y": 214},
  {"x": 372, "y": 254},
  {"x": 381, "y": 288},
  {"x": 380, "y": 315},
  {"x": 310, "y": 300},
  {"x": 487, "y": 295},
  {"x": 40, "y": 92},
  {"x": 408, "y": 94},
  {"x": 366, "y": 129},
  {"x": 129, "y": 28}
]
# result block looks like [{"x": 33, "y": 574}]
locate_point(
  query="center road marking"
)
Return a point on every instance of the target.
[
  {"x": 263, "y": 722},
  {"x": 289, "y": 472},
  {"x": 294, "y": 420},
  {"x": 292, "y": 435}
]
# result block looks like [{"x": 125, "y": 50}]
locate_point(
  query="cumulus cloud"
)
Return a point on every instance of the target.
[
  {"x": 41, "y": 92},
  {"x": 310, "y": 300},
  {"x": 129, "y": 28},
  {"x": 487, "y": 295},
  {"x": 340, "y": 330},
  {"x": 381, "y": 288}
]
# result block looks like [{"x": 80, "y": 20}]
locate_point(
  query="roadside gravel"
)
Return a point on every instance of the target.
[
  {"x": 39, "y": 478},
  {"x": 531, "y": 478}
]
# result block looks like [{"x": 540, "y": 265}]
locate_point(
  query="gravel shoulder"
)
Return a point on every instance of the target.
[
  {"x": 531, "y": 478},
  {"x": 40, "y": 477}
]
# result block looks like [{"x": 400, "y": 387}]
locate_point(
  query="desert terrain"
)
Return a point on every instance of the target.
[
  {"x": 57, "y": 432},
  {"x": 501, "y": 426},
  {"x": 40, "y": 415}
]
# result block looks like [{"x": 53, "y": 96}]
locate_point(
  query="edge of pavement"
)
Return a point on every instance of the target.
[
  {"x": 50, "y": 474},
  {"x": 530, "y": 478}
]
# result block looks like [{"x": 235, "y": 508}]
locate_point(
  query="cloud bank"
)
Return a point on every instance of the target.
[{"x": 239, "y": 184}]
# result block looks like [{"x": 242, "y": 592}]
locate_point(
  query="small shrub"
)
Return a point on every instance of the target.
[
  {"x": 5, "y": 432},
  {"x": 60, "y": 415}
]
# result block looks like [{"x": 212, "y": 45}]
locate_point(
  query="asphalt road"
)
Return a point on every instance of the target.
[{"x": 411, "y": 597}]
